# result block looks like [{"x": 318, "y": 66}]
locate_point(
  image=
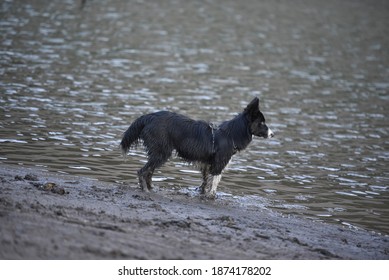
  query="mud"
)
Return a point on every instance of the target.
[{"x": 47, "y": 215}]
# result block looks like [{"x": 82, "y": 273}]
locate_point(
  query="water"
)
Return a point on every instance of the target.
[{"x": 73, "y": 79}]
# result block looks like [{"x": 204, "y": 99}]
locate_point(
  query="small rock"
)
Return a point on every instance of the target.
[
  {"x": 49, "y": 186},
  {"x": 19, "y": 178},
  {"x": 31, "y": 177},
  {"x": 58, "y": 213},
  {"x": 52, "y": 187},
  {"x": 58, "y": 190}
]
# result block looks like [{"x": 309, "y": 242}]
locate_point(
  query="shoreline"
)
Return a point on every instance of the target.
[{"x": 46, "y": 215}]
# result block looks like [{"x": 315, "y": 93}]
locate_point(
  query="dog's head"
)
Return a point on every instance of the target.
[{"x": 256, "y": 119}]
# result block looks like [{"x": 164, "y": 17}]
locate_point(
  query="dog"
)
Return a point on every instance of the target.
[{"x": 204, "y": 144}]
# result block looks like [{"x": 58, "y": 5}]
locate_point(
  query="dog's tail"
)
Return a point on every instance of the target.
[{"x": 132, "y": 135}]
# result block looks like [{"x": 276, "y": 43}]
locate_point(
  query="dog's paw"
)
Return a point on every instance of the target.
[{"x": 210, "y": 195}]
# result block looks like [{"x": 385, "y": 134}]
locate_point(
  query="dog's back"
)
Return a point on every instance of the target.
[{"x": 164, "y": 131}]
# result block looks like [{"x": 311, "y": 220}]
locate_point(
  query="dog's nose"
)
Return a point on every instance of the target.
[{"x": 270, "y": 133}]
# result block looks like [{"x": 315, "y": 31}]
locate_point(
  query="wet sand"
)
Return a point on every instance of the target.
[{"x": 46, "y": 215}]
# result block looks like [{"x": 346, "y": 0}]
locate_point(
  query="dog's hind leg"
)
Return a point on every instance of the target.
[{"x": 146, "y": 172}]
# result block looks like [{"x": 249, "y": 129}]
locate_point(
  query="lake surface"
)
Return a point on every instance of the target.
[{"x": 74, "y": 77}]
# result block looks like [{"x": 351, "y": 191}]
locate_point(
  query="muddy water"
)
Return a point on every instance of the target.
[{"x": 73, "y": 78}]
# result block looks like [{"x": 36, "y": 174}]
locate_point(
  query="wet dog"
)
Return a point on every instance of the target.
[{"x": 204, "y": 144}]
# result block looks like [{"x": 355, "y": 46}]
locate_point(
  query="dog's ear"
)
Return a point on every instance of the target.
[{"x": 253, "y": 108}]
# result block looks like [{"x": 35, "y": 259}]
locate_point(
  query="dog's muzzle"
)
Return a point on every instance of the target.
[{"x": 270, "y": 133}]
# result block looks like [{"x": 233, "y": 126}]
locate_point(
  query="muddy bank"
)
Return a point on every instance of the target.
[{"x": 49, "y": 216}]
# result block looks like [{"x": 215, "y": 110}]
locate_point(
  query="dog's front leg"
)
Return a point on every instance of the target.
[
  {"x": 212, "y": 183},
  {"x": 204, "y": 172}
]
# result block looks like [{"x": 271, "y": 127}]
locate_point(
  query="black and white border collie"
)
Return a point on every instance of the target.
[{"x": 208, "y": 146}]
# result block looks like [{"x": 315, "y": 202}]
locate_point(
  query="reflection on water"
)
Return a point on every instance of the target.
[{"x": 73, "y": 80}]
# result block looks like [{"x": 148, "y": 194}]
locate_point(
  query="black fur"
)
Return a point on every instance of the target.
[{"x": 195, "y": 141}]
